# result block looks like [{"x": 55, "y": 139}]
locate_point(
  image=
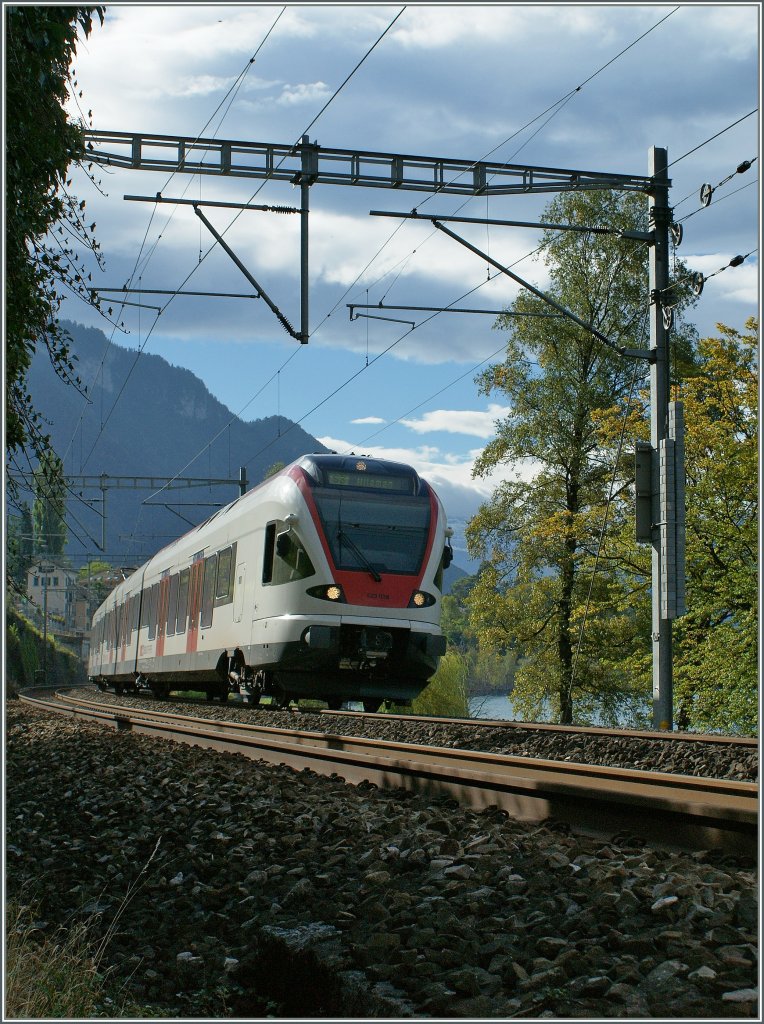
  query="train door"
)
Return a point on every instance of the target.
[
  {"x": 194, "y": 602},
  {"x": 238, "y": 601},
  {"x": 164, "y": 595}
]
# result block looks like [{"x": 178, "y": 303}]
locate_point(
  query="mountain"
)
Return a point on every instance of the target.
[{"x": 146, "y": 417}]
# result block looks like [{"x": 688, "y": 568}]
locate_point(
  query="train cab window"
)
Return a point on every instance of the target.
[
  {"x": 172, "y": 605},
  {"x": 208, "y": 590},
  {"x": 285, "y": 558},
  {"x": 180, "y": 622}
]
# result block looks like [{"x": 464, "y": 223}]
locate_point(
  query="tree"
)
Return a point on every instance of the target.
[
  {"x": 50, "y": 508},
  {"x": 45, "y": 225},
  {"x": 716, "y": 674},
  {"x": 273, "y": 470},
  {"x": 20, "y": 549},
  {"x": 446, "y": 693},
  {"x": 539, "y": 530}
]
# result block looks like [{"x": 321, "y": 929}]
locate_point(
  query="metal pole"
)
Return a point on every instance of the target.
[
  {"x": 304, "y": 216},
  {"x": 660, "y": 219},
  {"x": 45, "y": 628},
  {"x": 242, "y": 480},
  {"x": 103, "y": 512}
]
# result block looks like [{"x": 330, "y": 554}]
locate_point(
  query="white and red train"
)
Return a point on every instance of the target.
[{"x": 323, "y": 582}]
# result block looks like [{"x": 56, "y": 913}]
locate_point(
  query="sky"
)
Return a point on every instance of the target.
[{"x": 578, "y": 86}]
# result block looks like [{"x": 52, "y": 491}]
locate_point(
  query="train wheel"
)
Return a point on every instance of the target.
[
  {"x": 372, "y": 706},
  {"x": 280, "y": 697},
  {"x": 334, "y": 703}
]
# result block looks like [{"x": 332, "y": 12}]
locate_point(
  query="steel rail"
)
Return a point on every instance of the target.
[
  {"x": 586, "y": 730},
  {"x": 677, "y": 811}
]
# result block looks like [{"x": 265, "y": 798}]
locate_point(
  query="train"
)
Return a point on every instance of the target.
[{"x": 324, "y": 582}]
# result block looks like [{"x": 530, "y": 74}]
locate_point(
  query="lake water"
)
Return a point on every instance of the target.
[{"x": 495, "y": 706}]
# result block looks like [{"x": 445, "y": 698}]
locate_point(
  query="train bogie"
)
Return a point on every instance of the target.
[{"x": 324, "y": 582}]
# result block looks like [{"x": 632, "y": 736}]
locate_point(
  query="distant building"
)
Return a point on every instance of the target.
[{"x": 54, "y": 584}]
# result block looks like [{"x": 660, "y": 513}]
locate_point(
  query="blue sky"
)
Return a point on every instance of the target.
[{"x": 447, "y": 80}]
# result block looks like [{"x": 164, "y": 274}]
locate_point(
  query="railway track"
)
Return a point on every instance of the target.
[{"x": 674, "y": 810}]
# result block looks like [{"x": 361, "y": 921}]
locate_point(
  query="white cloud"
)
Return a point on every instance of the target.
[
  {"x": 425, "y": 27},
  {"x": 311, "y": 92},
  {"x": 734, "y": 284},
  {"x": 474, "y": 422},
  {"x": 200, "y": 85},
  {"x": 371, "y": 420}
]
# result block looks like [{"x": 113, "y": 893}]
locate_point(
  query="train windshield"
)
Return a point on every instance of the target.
[{"x": 374, "y": 533}]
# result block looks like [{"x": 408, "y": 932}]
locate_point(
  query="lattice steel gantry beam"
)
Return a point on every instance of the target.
[{"x": 307, "y": 163}]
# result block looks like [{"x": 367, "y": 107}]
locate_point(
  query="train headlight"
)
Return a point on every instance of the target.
[
  {"x": 332, "y": 592},
  {"x": 419, "y": 599}
]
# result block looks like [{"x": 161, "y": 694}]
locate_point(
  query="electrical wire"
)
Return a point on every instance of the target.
[
  {"x": 553, "y": 110},
  {"x": 713, "y": 137},
  {"x": 232, "y": 91}
]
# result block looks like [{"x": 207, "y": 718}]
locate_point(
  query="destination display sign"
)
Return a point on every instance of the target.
[{"x": 370, "y": 481}]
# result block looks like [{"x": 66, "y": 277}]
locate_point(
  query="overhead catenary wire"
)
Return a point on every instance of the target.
[
  {"x": 254, "y": 195},
  {"x": 712, "y": 138},
  {"x": 554, "y": 108},
  {"x": 558, "y": 104},
  {"x": 233, "y": 90}
]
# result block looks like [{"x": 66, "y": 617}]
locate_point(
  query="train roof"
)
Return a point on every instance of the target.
[{"x": 353, "y": 470}]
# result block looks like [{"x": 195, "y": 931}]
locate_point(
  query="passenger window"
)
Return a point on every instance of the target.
[
  {"x": 152, "y": 611},
  {"x": 172, "y": 605},
  {"x": 208, "y": 591},
  {"x": 180, "y": 625},
  {"x": 224, "y": 586},
  {"x": 270, "y": 541}
]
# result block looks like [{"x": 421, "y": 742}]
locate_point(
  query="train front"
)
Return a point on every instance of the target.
[{"x": 374, "y": 631}]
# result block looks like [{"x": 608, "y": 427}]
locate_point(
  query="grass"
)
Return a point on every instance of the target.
[
  {"x": 56, "y": 975},
  {"x": 62, "y": 974}
]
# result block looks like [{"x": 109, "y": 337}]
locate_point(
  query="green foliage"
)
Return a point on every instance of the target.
[
  {"x": 45, "y": 224},
  {"x": 49, "y": 507},
  {"x": 539, "y": 532},
  {"x": 24, "y": 655},
  {"x": 446, "y": 693},
  {"x": 99, "y": 589},
  {"x": 454, "y": 618},
  {"x": 19, "y": 548},
  {"x": 716, "y": 678},
  {"x": 274, "y": 469}
]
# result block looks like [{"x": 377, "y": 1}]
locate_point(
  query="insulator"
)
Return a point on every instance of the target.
[
  {"x": 736, "y": 261},
  {"x": 282, "y": 209},
  {"x": 668, "y": 318},
  {"x": 677, "y": 233},
  {"x": 742, "y": 168},
  {"x": 696, "y": 283},
  {"x": 706, "y": 191}
]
